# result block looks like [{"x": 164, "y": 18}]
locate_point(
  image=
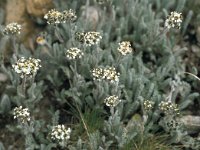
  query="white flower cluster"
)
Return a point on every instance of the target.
[
  {"x": 27, "y": 67},
  {"x": 112, "y": 101},
  {"x": 111, "y": 74},
  {"x": 108, "y": 73},
  {"x": 98, "y": 73},
  {"x": 174, "y": 20},
  {"x": 169, "y": 108},
  {"x": 125, "y": 48},
  {"x": 12, "y": 29},
  {"x": 148, "y": 105},
  {"x": 79, "y": 36},
  {"x": 56, "y": 17},
  {"x": 69, "y": 15},
  {"x": 60, "y": 134},
  {"x": 74, "y": 53},
  {"x": 23, "y": 115},
  {"x": 92, "y": 38}
]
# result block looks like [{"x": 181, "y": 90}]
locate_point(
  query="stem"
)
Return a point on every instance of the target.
[
  {"x": 70, "y": 32},
  {"x": 118, "y": 61},
  {"x": 169, "y": 97},
  {"x": 14, "y": 44},
  {"x": 24, "y": 86},
  {"x": 57, "y": 34},
  {"x": 14, "y": 48},
  {"x": 32, "y": 80},
  {"x": 156, "y": 38},
  {"x": 192, "y": 75},
  {"x": 112, "y": 111},
  {"x": 28, "y": 135},
  {"x": 75, "y": 67}
]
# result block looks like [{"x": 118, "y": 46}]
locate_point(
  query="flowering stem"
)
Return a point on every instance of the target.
[
  {"x": 169, "y": 97},
  {"x": 70, "y": 32},
  {"x": 118, "y": 61},
  {"x": 112, "y": 111},
  {"x": 57, "y": 34},
  {"x": 24, "y": 86},
  {"x": 14, "y": 47},
  {"x": 32, "y": 80},
  {"x": 157, "y": 36}
]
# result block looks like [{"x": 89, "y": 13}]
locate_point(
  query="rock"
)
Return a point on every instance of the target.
[
  {"x": 38, "y": 8},
  {"x": 3, "y": 77},
  {"x": 192, "y": 123},
  {"x": 20, "y": 11},
  {"x": 91, "y": 14},
  {"x": 196, "y": 50}
]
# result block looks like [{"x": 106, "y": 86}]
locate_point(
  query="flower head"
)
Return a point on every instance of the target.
[
  {"x": 54, "y": 17},
  {"x": 12, "y": 29},
  {"x": 79, "y": 36},
  {"x": 169, "y": 108},
  {"x": 111, "y": 74},
  {"x": 27, "y": 67},
  {"x": 23, "y": 115},
  {"x": 125, "y": 48},
  {"x": 174, "y": 20},
  {"x": 108, "y": 73},
  {"x": 98, "y": 73},
  {"x": 57, "y": 17},
  {"x": 92, "y": 38},
  {"x": 69, "y": 15},
  {"x": 74, "y": 53},
  {"x": 60, "y": 134},
  {"x": 112, "y": 101},
  {"x": 148, "y": 105}
]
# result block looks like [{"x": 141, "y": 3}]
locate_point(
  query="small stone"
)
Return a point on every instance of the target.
[{"x": 3, "y": 77}]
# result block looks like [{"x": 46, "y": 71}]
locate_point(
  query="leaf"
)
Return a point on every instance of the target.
[
  {"x": 2, "y": 146},
  {"x": 5, "y": 104}
]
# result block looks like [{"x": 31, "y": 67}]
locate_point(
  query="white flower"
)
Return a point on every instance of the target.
[
  {"x": 74, "y": 53},
  {"x": 148, "y": 105},
  {"x": 60, "y": 134},
  {"x": 174, "y": 20},
  {"x": 92, "y": 38},
  {"x": 111, "y": 74},
  {"x": 56, "y": 17},
  {"x": 12, "y": 29},
  {"x": 112, "y": 101},
  {"x": 27, "y": 67},
  {"x": 169, "y": 108},
  {"x": 108, "y": 73},
  {"x": 23, "y": 115},
  {"x": 125, "y": 48},
  {"x": 69, "y": 15},
  {"x": 98, "y": 73}
]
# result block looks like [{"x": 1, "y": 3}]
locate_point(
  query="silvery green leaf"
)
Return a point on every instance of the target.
[{"x": 5, "y": 104}]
